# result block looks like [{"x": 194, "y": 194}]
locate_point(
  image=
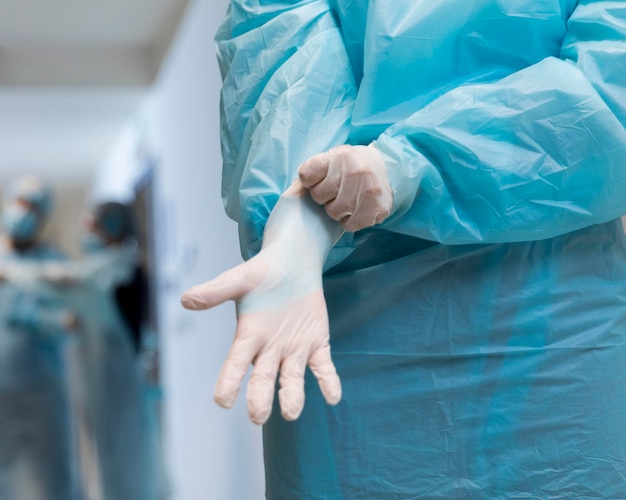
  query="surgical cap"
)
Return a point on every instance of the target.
[
  {"x": 114, "y": 219},
  {"x": 32, "y": 190}
]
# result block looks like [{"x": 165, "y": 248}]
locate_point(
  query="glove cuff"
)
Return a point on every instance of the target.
[{"x": 405, "y": 169}]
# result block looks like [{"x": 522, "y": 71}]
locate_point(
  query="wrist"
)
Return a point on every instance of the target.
[{"x": 405, "y": 170}]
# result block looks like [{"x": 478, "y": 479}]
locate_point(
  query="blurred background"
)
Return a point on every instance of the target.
[{"x": 119, "y": 101}]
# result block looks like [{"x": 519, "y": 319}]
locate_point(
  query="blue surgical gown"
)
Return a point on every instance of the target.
[
  {"x": 480, "y": 331},
  {"x": 109, "y": 388},
  {"x": 37, "y": 455},
  {"x": 111, "y": 405},
  {"x": 111, "y": 408}
]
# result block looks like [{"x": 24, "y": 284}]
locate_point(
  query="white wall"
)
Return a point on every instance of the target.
[{"x": 211, "y": 453}]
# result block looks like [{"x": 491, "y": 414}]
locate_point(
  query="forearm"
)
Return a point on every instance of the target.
[{"x": 290, "y": 105}]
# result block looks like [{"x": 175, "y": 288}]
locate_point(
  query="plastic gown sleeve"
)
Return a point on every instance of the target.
[
  {"x": 33, "y": 308},
  {"x": 103, "y": 269},
  {"x": 45, "y": 319},
  {"x": 537, "y": 154},
  {"x": 299, "y": 91},
  {"x": 40, "y": 307}
]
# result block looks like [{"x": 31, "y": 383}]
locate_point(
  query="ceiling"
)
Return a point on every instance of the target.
[{"x": 72, "y": 72}]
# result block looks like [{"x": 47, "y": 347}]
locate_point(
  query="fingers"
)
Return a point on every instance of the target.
[
  {"x": 230, "y": 285},
  {"x": 296, "y": 190},
  {"x": 351, "y": 183},
  {"x": 239, "y": 358},
  {"x": 314, "y": 170},
  {"x": 261, "y": 386},
  {"x": 341, "y": 208},
  {"x": 291, "y": 393},
  {"x": 260, "y": 393},
  {"x": 321, "y": 175},
  {"x": 324, "y": 370},
  {"x": 366, "y": 215},
  {"x": 356, "y": 205}
]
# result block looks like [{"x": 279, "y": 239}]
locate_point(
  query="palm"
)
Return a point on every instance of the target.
[{"x": 282, "y": 321}]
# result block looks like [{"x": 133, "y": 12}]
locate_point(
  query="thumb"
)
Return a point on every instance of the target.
[
  {"x": 230, "y": 285},
  {"x": 314, "y": 170}
]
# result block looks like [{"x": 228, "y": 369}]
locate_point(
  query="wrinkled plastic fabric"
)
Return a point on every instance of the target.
[
  {"x": 36, "y": 443},
  {"x": 480, "y": 331}
]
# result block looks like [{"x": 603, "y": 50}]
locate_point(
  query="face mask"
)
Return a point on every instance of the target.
[
  {"x": 20, "y": 223},
  {"x": 91, "y": 242}
]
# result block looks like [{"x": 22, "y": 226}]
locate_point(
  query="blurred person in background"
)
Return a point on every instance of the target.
[
  {"x": 36, "y": 459},
  {"x": 111, "y": 226},
  {"x": 107, "y": 386}
]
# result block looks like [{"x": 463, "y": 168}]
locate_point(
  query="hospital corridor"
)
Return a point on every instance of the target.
[{"x": 106, "y": 380}]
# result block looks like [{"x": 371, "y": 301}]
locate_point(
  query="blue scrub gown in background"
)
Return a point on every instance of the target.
[
  {"x": 37, "y": 454},
  {"x": 109, "y": 389},
  {"x": 106, "y": 384},
  {"x": 480, "y": 331},
  {"x": 113, "y": 405}
]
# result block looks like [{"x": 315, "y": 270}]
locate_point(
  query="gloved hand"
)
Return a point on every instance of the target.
[
  {"x": 282, "y": 322},
  {"x": 352, "y": 184}
]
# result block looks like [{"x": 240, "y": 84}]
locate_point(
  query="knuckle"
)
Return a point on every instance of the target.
[
  {"x": 339, "y": 209},
  {"x": 357, "y": 170},
  {"x": 291, "y": 380},
  {"x": 340, "y": 156},
  {"x": 382, "y": 215},
  {"x": 305, "y": 170},
  {"x": 333, "y": 214},
  {"x": 236, "y": 360},
  {"x": 352, "y": 225},
  {"x": 317, "y": 194},
  {"x": 228, "y": 379},
  {"x": 374, "y": 191},
  {"x": 341, "y": 151},
  {"x": 262, "y": 376}
]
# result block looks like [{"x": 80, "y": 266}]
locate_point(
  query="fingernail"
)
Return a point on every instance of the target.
[
  {"x": 189, "y": 301},
  {"x": 333, "y": 400},
  {"x": 259, "y": 417},
  {"x": 291, "y": 413},
  {"x": 334, "y": 394},
  {"x": 223, "y": 401}
]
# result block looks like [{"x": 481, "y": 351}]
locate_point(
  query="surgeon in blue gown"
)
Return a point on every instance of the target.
[
  {"x": 107, "y": 387},
  {"x": 110, "y": 392},
  {"x": 36, "y": 445},
  {"x": 477, "y": 314},
  {"x": 116, "y": 437}
]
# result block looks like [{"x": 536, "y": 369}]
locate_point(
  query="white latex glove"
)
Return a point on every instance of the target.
[
  {"x": 282, "y": 321},
  {"x": 352, "y": 184}
]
